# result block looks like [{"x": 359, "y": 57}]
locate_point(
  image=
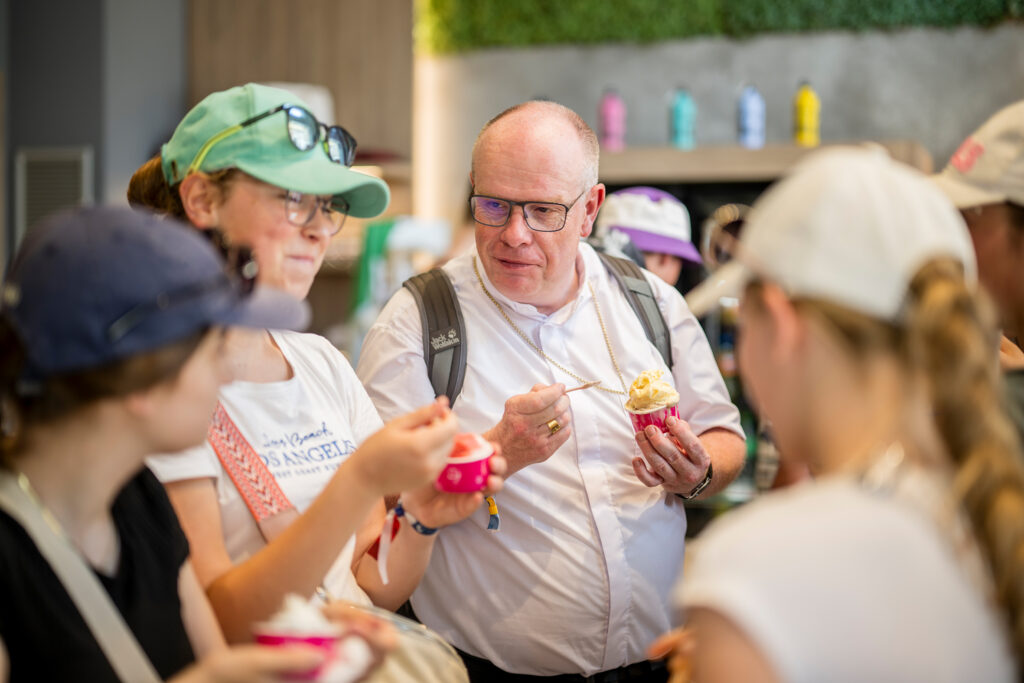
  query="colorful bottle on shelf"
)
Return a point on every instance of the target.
[
  {"x": 806, "y": 116},
  {"x": 612, "y": 121},
  {"x": 682, "y": 117},
  {"x": 751, "y": 118}
]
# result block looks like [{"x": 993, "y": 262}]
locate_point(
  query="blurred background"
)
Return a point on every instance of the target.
[{"x": 90, "y": 89}]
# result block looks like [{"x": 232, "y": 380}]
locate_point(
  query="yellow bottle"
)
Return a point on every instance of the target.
[{"x": 806, "y": 122}]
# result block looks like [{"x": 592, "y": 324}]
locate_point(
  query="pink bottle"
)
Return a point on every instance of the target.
[{"x": 612, "y": 121}]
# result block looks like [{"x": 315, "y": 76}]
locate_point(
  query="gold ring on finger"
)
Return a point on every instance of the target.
[{"x": 553, "y": 427}]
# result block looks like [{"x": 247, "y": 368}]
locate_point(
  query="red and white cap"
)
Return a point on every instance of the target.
[{"x": 988, "y": 167}]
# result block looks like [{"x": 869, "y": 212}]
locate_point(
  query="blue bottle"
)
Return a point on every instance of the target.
[
  {"x": 682, "y": 116},
  {"x": 751, "y": 118}
]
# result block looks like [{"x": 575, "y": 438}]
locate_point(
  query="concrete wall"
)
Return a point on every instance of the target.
[
  {"x": 144, "y": 67},
  {"x": 56, "y": 79},
  {"x": 109, "y": 74},
  {"x": 931, "y": 85}
]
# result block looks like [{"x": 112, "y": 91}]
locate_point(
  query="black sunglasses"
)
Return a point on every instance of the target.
[{"x": 303, "y": 132}]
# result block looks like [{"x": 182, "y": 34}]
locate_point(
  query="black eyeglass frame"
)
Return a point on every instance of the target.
[
  {"x": 238, "y": 277},
  {"x": 512, "y": 204},
  {"x": 138, "y": 314}
]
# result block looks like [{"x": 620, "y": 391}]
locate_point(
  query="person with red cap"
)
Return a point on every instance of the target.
[{"x": 985, "y": 180}]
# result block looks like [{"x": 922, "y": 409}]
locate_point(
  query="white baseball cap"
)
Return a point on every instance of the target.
[
  {"x": 988, "y": 167},
  {"x": 847, "y": 225}
]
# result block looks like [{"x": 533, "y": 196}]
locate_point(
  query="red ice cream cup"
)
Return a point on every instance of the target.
[
  {"x": 469, "y": 465},
  {"x": 326, "y": 643},
  {"x": 655, "y": 417}
]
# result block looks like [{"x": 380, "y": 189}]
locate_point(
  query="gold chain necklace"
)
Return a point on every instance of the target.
[{"x": 522, "y": 335}]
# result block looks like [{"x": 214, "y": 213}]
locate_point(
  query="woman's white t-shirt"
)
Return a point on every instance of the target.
[
  {"x": 833, "y": 581},
  {"x": 302, "y": 428}
]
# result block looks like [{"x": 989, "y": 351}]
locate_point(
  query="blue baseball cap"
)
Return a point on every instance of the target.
[{"x": 96, "y": 285}]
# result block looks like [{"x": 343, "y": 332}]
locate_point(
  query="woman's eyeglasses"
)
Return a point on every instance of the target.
[
  {"x": 300, "y": 209},
  {"x": 303, "y": 131}
]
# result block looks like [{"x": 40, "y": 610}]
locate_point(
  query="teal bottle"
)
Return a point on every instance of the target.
[{"x": 683, "y": 116}]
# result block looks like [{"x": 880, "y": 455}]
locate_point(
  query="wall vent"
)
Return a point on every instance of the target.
[{"x": 48, "y": 179}]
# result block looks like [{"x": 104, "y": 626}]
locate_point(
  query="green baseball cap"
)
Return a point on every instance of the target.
[{"x": 264, "y": 150}]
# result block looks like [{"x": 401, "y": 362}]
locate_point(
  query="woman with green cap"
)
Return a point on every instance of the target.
[
  {"x": 287, "y": 493},
  {"x": 112, "y": 336}
]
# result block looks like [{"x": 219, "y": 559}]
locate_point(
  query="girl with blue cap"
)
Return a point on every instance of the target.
[{"x": 112, "y": 339}]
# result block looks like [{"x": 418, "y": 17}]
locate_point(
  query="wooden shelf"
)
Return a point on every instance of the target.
[{"x": 727, "y": 163}]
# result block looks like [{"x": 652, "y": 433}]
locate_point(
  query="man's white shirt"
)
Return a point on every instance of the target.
[{"x": 578, "y": 578}]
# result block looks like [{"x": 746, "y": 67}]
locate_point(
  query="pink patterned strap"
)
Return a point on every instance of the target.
[{"x": 258, "y": 487}]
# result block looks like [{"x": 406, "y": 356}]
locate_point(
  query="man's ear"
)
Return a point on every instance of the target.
[
  {"x": 594, "y": 200},
  {"x": 201, "y": 199}
]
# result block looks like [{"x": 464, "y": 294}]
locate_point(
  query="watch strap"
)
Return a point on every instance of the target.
[{"x": 699, "y": 487}]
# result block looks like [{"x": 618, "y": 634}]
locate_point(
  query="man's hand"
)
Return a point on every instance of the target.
[
  {"x": 677, "y": 647},
  {"x": 524, "y": 433},
  {"x": 677, "y": 460}
]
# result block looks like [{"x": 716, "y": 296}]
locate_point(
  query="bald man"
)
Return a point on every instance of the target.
[{"x": 577, "y": 579}]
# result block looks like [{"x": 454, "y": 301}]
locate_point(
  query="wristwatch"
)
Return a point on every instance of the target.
[{"x": 699, "y": 487}]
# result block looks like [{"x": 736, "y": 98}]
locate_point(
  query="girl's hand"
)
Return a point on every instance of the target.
[
  {"x": 252, "y": 664},
  {"x": 408, "y": 451},
  {"x": 378, "y": 634},
  {"x": 437, "y": 508}
]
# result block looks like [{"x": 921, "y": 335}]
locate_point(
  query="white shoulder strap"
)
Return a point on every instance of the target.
[{"x": 94, "y": 604}]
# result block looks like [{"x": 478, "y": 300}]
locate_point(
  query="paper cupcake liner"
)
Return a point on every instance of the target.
[{"x": 656, "y": 418}]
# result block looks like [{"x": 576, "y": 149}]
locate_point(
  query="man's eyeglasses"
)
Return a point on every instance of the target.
[
  {"x": 238, "y": 279},
  {"x": 539, "y": 216},
  {"x": 303, "y": 131},
  {"x": 301, "y": 209}
]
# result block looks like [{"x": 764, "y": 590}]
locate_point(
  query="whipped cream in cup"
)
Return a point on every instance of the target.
[{"x": 299, "y": 621}]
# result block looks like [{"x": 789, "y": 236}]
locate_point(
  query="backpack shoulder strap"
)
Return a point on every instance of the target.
[
  {"x": 444, "y": 331},
  {"x": 640, "y": 296}
]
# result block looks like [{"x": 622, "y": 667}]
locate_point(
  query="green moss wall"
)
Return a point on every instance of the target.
[{"x": 452, "y": 26}]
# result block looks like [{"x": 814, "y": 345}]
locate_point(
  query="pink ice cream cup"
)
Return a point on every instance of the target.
[
  {"x": 326, "y": 643},
  {"x": 655, "y": 417},
  {"x": 469, "y": 465}
]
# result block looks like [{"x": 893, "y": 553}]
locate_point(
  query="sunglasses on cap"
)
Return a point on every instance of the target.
[
  {"x": 303, "y": 131},
  {"x": 239, "y": 277}
]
